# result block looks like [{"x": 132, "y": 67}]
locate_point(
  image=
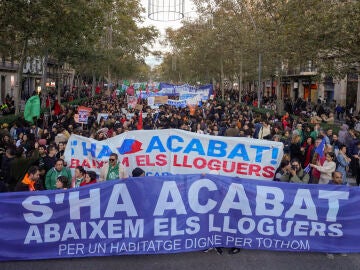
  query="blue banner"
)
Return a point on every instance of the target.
[
  {"x": 204, "y": 91},
  {"x": 152, "y": 215}
]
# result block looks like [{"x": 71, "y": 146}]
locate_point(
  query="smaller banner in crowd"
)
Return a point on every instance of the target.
[
  {"x": 83, "y": 114},
  {"x": 174, "y": 151},
  {"x": 100, "y": 116},
  {"x": 152, "y": 215},
  {"x": 160, "y": 99},
  {"x": 186, "y": 93},
  {"x": 132, "y": 101}
]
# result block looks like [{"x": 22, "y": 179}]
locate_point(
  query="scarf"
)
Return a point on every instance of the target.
[{"x": 29, "y": 182}]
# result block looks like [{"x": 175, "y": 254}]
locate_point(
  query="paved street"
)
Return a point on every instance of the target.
[{"x": 246, "y": 259}]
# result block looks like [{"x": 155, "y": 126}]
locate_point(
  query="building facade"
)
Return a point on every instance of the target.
[{"x": 57, "y": 76}]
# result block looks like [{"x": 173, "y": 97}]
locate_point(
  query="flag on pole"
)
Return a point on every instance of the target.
[
  {"x": 32, "y": 109},
  {"x": 307, "y": 169},
  {"x": 48, "y": 102},
  {"x": 140, "y": 96},
  {"x": 57, "y": 107},
  {"x": 130, "y": 90},
  {"x": 140, "y": 121},
  {"x": 113, "y": 95},
  {"x": 320, "y": 149}
]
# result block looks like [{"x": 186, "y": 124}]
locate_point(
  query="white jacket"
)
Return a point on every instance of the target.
[
  {"x": 104, "y": 171},
  {"x": 326, "y": 171}
]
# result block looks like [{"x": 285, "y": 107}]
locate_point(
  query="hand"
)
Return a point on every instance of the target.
[{"x": 293, "y": 172}]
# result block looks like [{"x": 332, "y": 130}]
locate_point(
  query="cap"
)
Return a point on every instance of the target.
[{"x": 137, "y": 172}]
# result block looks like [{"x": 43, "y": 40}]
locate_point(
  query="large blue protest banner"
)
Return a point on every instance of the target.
[{"x": 152, "y": 215}]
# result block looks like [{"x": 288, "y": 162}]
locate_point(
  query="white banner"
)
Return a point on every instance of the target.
[
  {"x": 173, "y": 151},
  {"x": 105, "y": 116}
]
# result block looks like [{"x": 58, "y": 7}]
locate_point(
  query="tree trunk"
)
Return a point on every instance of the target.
[
  {"x": 18, "y": 89},
  {"x": 240, "y": 80},
  {"x": 93, "y": 84},
  {"x": 222, "y": 78},
  {"x": 58, "y": 84}
]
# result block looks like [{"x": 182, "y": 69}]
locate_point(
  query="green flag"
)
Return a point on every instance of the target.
[{"x": 32, "y": 109}]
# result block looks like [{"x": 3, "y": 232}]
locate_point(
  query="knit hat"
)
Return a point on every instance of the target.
[
  {"x": 42, "y": 141},
  {"x": 137, "y": 172}
]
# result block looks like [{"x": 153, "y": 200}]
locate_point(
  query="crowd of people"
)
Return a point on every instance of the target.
[{"x": 35, "y": 153}]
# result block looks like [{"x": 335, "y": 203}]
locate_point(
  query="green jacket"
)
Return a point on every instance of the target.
[
  {"x": 53, "y": 174},
  {"x": 300, "y": 177}
]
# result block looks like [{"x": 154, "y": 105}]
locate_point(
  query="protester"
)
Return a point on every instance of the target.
[
  {"x": 6, "y": 166},
  {"x": 326, "y": 169},
  {"x": 20, "y": 164},
  {"x": 296, "y": 174},
  {"x": 283, "y": 172},
  {"x": 79, "y": 175},
  {"x": 308, "y": 147},
  {"x": 61, "y": 150},
  {"x": 355, "y": 162},
  {"x": 343, "y": 162},
  {"x": 62, "y": 182},
  {"x": 89, "y": 178},
  {"x": 296, "y": 151},
  {"x": 112, "y": 170},
  {"x": 336, "y": 178},
  {"x": 50, "y": 159},
  {"x": 214, "y": 118},
  {"x": 29, "y": 180},
  {"x": 138, "y": 172},
  {"x": 55, "y": 172}
]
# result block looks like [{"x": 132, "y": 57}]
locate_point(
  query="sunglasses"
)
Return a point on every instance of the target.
[{"x": 112, "y": 159}]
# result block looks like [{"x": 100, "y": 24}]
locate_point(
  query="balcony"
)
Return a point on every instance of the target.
[{"x": 8, "y": 66}]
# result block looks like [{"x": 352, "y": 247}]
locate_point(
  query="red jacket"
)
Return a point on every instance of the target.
[{"x": 83, "y": 183}]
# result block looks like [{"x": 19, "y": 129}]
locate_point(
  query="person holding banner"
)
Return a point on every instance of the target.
[
  {"x": 112, "y": 170},
  {"x": 336, "y": 178}
]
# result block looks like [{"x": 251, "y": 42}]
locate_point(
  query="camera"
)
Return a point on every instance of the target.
[{"x": 293, "y": 167}]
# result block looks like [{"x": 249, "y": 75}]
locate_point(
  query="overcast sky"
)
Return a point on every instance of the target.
[{"x": 161, "y": 26}]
